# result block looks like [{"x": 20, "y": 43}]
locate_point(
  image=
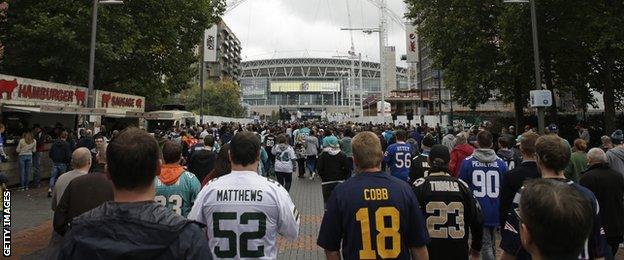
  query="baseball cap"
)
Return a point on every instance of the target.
[
  {"x": 553, "y": 128},
  {"x": 617, "y": 137},
  {"x": 331, "y": 141},
  {"x": 439, "y": 151},
  {"x": 428, "y": 140}
]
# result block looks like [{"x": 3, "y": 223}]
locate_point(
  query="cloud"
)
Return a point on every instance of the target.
[{"x": 287, "y": 28}]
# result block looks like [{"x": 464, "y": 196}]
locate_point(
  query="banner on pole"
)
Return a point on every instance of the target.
[
  {"x": 412, "y": 42},
  {"x": 210, "y": 44}
]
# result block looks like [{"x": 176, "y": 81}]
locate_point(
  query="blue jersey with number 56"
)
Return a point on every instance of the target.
[
  {"x": 398, "y": 157},
  {"x": 484, "y": 179}
]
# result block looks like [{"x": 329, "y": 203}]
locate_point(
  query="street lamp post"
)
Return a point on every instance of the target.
[
  {"x": 538, "y": 78},
  {"x": 91, "y": 98}
]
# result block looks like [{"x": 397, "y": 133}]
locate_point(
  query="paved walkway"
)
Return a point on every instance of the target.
[{"x": 308, "y": 199}]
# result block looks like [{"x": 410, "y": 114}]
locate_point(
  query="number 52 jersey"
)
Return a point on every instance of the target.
[
  {"x": 243, "y": 213},
  {"x": 373, "y": 216}
]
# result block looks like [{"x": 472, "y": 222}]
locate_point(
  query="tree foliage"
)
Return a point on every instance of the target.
[
  {"x": 144, "y": 47},
  {"x": 221, "y": 98},
  {"x": 485, "y": 48}
]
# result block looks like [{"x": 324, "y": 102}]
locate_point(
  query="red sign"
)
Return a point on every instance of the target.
[{"x": 23, "y": 91}]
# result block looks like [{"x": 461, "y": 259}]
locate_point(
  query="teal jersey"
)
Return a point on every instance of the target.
[{"x": 178, "y": 197}]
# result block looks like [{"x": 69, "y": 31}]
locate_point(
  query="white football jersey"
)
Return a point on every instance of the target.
[{"x": 243, "y": 213}]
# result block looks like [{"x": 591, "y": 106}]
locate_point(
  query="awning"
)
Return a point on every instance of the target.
[
  {"x": 22, "y": 109},
  {"x": 56, "y": 110}
]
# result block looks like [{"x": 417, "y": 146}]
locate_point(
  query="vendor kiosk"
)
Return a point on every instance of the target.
[{"x": 26, "y": 103}]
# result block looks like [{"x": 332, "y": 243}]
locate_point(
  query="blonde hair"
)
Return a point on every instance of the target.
[
  {"x": 366, "y": 150},
  {"x": 28, "y": 137}
]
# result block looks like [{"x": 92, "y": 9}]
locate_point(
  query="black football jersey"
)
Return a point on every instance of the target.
[
  {"x": 450, "y": 212},
  {"x": 419, "y": 167}
]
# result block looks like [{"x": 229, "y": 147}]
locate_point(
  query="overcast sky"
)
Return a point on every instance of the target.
[{"x": 289, "y": 27}]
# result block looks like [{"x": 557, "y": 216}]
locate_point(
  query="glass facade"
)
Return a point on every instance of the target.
[{"x": 256, "y": 93}]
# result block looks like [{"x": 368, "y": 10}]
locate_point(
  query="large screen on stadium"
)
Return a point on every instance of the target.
[{"x": 305, "y": 86}]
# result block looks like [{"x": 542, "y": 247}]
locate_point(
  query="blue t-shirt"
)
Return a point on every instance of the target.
[
  {"x": 398, "y": 157},
  {"x": 368, "y": 208},
  {"x": 484, "y": 179}
]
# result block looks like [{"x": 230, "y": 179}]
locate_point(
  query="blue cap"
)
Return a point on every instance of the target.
[
  {"x": 553, "y": 128},
  {"x": 331, "y": 141},
  {"x": 617, "y": 137}
]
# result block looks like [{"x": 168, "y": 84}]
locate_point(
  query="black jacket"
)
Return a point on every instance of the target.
[
  {"x": 142, "y": 230},
  {"x": 332, "y": 167},
  {"x": 608, "y": 186},
  {"x": 201, "y": 163},
  {"x": 60, "y": 152},
  {"x": 513, "y": 181}
]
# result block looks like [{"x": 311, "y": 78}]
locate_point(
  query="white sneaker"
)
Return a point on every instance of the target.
[{"x": 312, "y": 175}]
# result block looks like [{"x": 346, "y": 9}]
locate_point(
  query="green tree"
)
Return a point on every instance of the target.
[
  {"x": 485, "y": 47},
  {"x": 222, "y": 98},
  {"x": 144, "y": 47}
]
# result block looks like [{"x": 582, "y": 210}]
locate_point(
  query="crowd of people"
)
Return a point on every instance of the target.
[{"x": 390, "y": 191}]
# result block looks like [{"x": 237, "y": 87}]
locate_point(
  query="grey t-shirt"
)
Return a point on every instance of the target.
[
  {"x": 312, "y": 144},
  {"x": 61, "y": 184}
]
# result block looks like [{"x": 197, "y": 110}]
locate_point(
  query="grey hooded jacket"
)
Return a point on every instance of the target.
[{"x": 615, "y": 156}]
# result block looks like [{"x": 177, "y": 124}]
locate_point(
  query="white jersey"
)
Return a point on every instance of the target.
[{"x": 243, "y": 213}]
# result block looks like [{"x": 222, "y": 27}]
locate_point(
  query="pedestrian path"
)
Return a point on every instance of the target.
[{"x": 308, "y": 199}]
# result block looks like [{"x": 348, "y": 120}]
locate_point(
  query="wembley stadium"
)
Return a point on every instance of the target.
[{"x": 314, "y": 86}]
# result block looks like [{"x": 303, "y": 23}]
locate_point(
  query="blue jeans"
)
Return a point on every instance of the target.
[
  {"x": 311, "y": 163},
  {"x": 36, "y": 161},
  {"x": 57, "y": 170},
  {"x": 25, "y": 162},
  {"x": 488, "y": 252}
]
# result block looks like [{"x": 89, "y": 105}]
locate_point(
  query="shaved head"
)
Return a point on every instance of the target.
[{"x": 81, "y": 158}]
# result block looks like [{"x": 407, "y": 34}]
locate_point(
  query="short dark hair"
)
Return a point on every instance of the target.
[
  {"x": 557, "y": 216},
  {"x": 282, "y": 139},
  {"x": 171, "y": 152},
  {"x": 484, "y": 139},
  {"x": 133, "y": 159},
  {"x": 401, "y": 135},
  {"x": 209, "y": 140},
  {"x": 428, "y": 141},
  {"x": 527, "y": 144},
  {"x": 244, "y": 148},
  {"x": 552, "y": 152},
  {"x": 503, "y": 142}
]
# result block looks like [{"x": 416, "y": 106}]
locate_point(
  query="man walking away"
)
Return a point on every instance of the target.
[
  {"x": 556, "y": 220},
  {"x": 552, "y": 153},
  {"x": 608, "y": 187},
  {"x": 420, "y": 163},
  {"x": 176, "y": 188},
  {"x": 312, "y": 145},
  {"x": 285, "y": 160},
  {"x": 372, "y": 215},
  {"x": 81, "y": 162},
  {"x": 60, "y": 154},
  {"x": 449, "y": 199},
  {"x": 616, "y": 154},
  {"x": 515, "y": 178},
  {"x": 462, "y": 150},
  {"x": 399, "y": 157},
  {"x": 40, "y": 137},
  {"x": 332, "y": 167},
  {"x": 484, "y": 172},
  {"x": 345, "y": 147},
  {"x": 133, "y": 225},
  {"x": 505, "y": 153},
  {"x": 243, "y": 211},
  {"x": 202, "y": 159}
]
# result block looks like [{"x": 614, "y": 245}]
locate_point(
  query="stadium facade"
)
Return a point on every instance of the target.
[{"x": 312, "y": 86}]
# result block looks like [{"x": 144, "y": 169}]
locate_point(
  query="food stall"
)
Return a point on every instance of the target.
[
  {"x": 26, "y": 103},
  {"x": 122, "y": 110}
]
